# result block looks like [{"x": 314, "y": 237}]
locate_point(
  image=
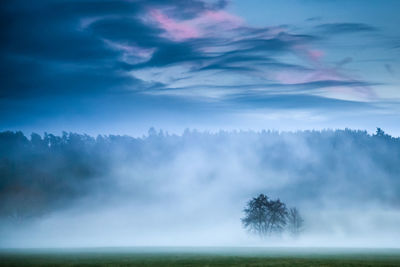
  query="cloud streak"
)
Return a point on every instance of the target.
[
  {"x": 92, "y": 39},
  {"x": 346, "y": 28}
]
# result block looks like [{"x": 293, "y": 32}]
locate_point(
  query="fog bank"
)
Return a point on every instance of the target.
[{"x": 190, "y": 190}]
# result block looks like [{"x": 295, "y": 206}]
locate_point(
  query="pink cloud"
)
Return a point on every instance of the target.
[
  {"x": 219, "y": 23},
  {"x": 312, "y": 56},
  {"x": 315, "y": 54},
  {"x": 298, "y": 77},
  {"x": 175, "y": 30},
  {"x": 321, "y": 72},
  {"x": 206, "y": 24},
  {"x": 325, "y": 74},
  {"x": 222, "y": 17}
]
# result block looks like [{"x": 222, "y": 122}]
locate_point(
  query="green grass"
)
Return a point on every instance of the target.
[{"x": 200, "y": 257}]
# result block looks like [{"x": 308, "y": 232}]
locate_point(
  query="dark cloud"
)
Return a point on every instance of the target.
[
  {"x": 313, "y": 19},
  {"x": 127, "y": 30},
  {"x": 389, "y": 69},
  {"x": 52, "y": 47},
  {"x": 294, "y": 101},
  {"x": 173, "y": 53},
  {"x": 344, "y": 61},
  {"x": 30, "y": 77},
  {"x": 339, "y": 28},
  {"x": 218, "y": 66},
  {"x": 93, "y": 46}
]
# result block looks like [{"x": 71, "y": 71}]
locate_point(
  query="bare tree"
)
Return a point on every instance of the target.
[
  {"x": 277, "y": 216},
  {"x": 264, "y": 216},
  {"x": 256, "y": 218}
]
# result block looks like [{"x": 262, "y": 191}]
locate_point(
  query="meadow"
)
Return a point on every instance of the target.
[{"x": 194, "y": 256}]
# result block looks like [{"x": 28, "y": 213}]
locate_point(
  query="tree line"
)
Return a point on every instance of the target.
[{"x": 43, "y": 173}]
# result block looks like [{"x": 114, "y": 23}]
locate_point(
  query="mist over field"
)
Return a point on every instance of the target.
[{"x": 164, "y": 189}]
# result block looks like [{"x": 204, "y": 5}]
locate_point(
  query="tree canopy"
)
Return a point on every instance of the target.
[{"x": 264, "y": 216}]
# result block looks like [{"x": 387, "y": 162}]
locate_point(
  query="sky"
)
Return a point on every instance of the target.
[{"x": 120, "y": 67}]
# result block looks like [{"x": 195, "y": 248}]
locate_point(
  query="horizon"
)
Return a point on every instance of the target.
[{"x": 153, "y": 130}]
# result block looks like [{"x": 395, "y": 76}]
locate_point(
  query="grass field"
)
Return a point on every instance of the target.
[{"x": 200, "y": 257}]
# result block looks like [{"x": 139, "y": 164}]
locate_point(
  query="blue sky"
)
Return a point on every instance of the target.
[{"x": 100, "y": 66}]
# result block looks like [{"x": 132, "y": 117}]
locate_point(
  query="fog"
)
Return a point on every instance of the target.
[{"x": 190, "y": 189}]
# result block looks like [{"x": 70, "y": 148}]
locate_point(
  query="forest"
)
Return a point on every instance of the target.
[{"x": 41, "y": 174}]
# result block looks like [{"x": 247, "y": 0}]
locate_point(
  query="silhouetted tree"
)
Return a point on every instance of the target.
[
  {"x": 277, "y": 215},
  {"x": 380, "y": 132},
  {"x": 264, "y": 216},
  {"x": 256, "y": 218},
  {"x": 295, "y": 222}
]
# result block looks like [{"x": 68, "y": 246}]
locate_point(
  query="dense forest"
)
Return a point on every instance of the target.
[{"x": 41, "y": 174}]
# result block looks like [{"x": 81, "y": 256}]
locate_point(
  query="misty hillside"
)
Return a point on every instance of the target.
[{"x": 42, "y": 174}]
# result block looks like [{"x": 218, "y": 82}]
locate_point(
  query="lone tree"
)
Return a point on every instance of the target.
[
  {"x": 264, "y": 216},
  {"x": 295, "y": 222}
]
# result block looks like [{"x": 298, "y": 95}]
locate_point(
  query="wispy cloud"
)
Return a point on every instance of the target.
[
  {"x": 343, "y": 28},
  {"x": 176, "y": 48}
]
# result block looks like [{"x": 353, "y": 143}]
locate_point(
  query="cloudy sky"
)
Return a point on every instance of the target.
[{"x": 119, "y": 66}]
